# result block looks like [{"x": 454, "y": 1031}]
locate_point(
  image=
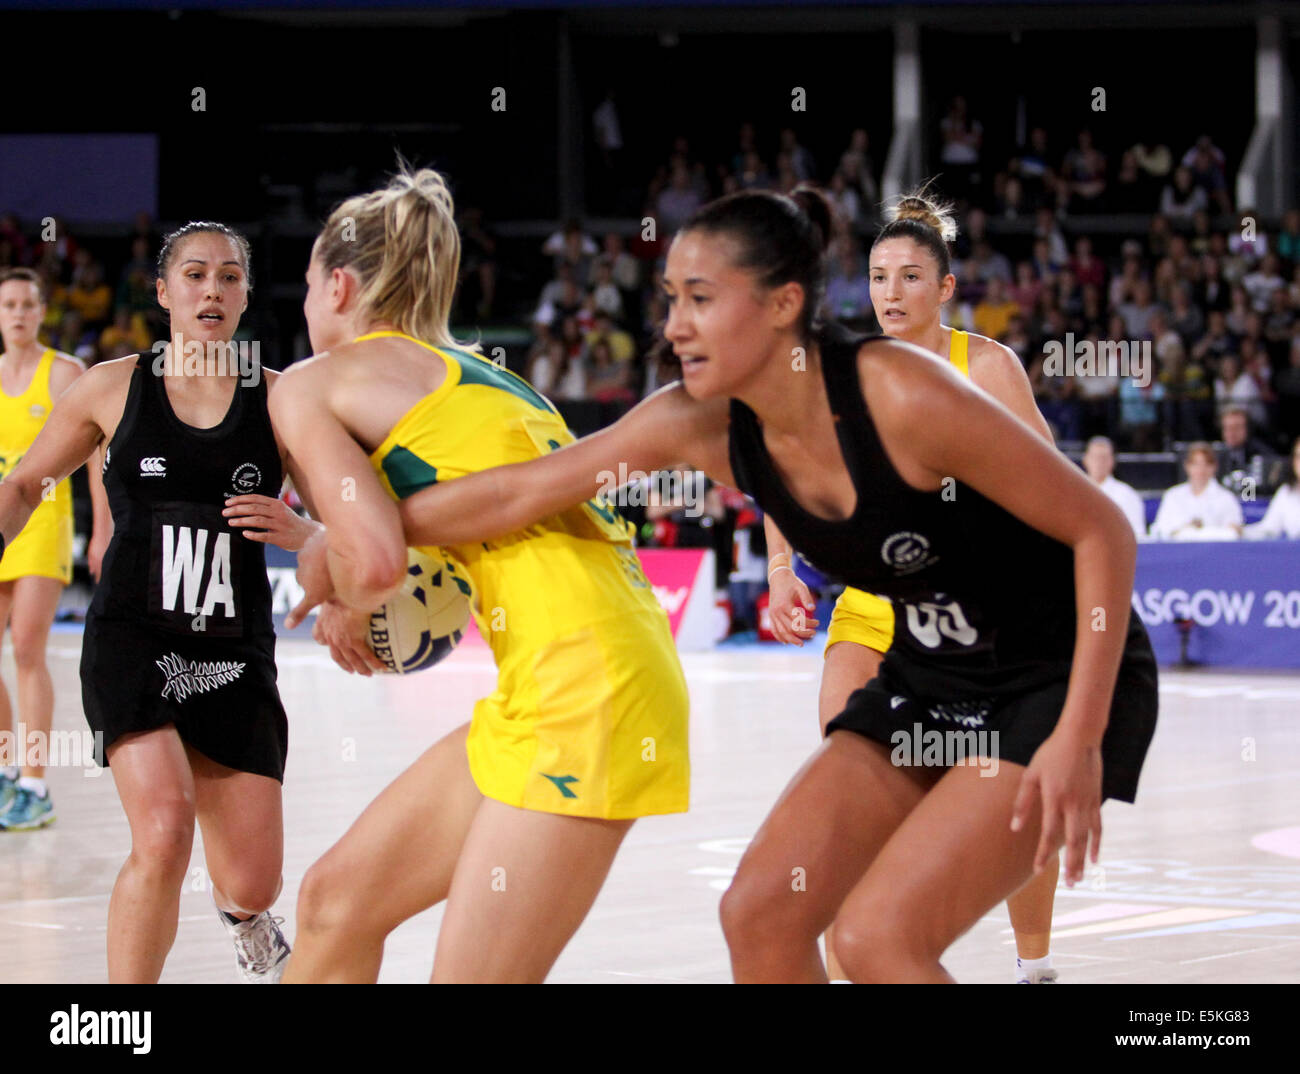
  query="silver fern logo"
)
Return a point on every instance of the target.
[{"x": 185, "y": 677}]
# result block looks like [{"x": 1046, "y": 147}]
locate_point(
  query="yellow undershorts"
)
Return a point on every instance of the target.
[{"x": 863, "y": 618}]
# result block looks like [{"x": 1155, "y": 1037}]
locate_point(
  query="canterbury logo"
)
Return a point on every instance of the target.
[
  {"x": 155, "y": 466},
  {"x": 185, "y": 677}
]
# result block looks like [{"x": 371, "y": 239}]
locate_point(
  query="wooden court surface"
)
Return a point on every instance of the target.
[{"x": 1199, "y": 882}]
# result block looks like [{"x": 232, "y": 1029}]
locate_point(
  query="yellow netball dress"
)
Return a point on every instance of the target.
[
  {"x": 44, "y": 547},
  {"x": 864, "y": 617},
  {"x": 589, "y": 717}
]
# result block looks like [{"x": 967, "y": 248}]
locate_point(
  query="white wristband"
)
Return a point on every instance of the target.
[{"x": 780, "y": 567}]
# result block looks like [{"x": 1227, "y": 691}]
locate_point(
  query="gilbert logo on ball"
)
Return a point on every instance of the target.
[{"x": 427, "y": 618}]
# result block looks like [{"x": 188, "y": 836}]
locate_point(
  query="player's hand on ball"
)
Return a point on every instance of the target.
[
  {"x": 313, "y": 576},
  {"x": 270, "y": 521},
  {"x": 344, "y": 631},
  {"x": 790, "y": 606},
  {"x": 1065, "y": 773}
]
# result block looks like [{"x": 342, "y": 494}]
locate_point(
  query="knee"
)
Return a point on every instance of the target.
[
  {"x": 251, "y": 894},
  {"x": 163, "y": 840},
  {"x": 324, "y": 899},
  {"x": 29, "y": 649},
  {"x": 758, "y": 907},
  {"x": 879, "y": 948}
]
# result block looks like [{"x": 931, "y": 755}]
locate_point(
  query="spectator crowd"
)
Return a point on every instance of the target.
[{"x": 1200, "y": 294}]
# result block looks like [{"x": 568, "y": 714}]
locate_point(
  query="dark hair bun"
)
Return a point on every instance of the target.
[{"x": 815, "y": 206}]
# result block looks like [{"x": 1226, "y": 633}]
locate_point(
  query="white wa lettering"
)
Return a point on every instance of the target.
[
  {"x": 183, "y": 560},
  {"x": 220, "y": 588}
]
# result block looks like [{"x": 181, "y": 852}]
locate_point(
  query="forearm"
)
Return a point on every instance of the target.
[
  {"x": 483, "y": 506},
  {"x": 15, "y": 509},
  {"x": 358, "y": 588},
  {"x": 505, "y": 499},
  {"x": 307, "y": 527},
  {"x": 102, "y": 514},
  {"x": 455, "y": 512},
  {"x": 776, "y": 542},
  {"x": 1104, "y": 563}
]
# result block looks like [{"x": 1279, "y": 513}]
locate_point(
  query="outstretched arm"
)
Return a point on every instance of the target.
[
  {"x": 65, "y": 372},
  {"x": 666, "y": 429}
]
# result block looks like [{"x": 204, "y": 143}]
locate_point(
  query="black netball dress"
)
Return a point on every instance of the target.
[
  {"x": 984, "y": 607},
  {"x": 179, "y": 630}
]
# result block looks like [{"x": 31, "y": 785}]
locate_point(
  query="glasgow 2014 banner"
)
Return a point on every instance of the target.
[{"x": 1239, "y": 602}]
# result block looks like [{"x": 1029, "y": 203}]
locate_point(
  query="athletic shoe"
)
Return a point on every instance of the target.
[
  {"x": 8, "y": 788},
  {"x": 260, "y": 947},
  {"x": 1039, "y": 977},
  {"x": 27, "y": 811}
]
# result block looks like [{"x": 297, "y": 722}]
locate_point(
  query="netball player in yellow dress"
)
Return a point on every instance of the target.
[
  {"x": 910, "y": 283},
  {"x": 38, "y": 564},
  {"x": 514, "y": 818}
]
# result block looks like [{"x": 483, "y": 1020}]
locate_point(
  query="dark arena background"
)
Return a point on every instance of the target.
[{"x": 1123, "y": 180}]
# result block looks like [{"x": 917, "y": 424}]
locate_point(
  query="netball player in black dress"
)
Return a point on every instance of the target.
[
  {"x": 1010, "y": 573},
  {"x": 178, "y": 658}
]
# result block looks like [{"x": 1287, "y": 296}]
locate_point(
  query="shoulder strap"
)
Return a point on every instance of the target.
[
  {"x": 863, "y": 450},
  {"x": 745, "y": 449},
  {"x": 39, "y": 388},
  {"x": 959, "y": 352},
  {"x": 839, "y": 357},
  {"x": 135, "y": 390}
]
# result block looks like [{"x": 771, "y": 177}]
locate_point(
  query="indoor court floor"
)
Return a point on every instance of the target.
[{"x": 1199, "y": 882}]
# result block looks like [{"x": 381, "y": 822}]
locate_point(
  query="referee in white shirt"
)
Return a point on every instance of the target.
[
  {"x": 1200, "y": 509},
  {"x": 1099, "y": 462}
]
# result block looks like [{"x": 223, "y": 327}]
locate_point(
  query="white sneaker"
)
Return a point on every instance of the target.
[
  {"x": 260, "y": 947},
  {"x": 1039, "y": 977}
]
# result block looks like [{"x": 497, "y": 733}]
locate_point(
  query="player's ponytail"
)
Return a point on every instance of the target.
[
  {"x": 403, "y": 245},
  {"x": 781, "y": 239},
  {"x": 924, "y": 219},
  {"x": 815, "y": 206}
]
